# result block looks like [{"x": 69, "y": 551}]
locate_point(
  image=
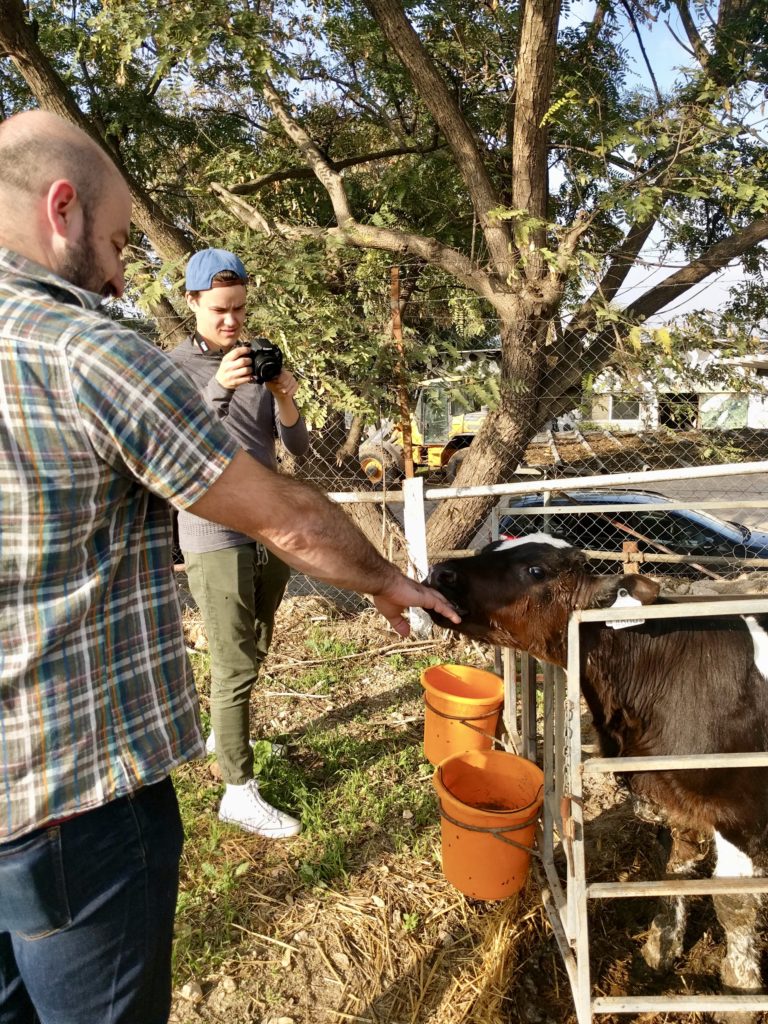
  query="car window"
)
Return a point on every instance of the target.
[
  {"x": 681, "y": 533},
  {"x": 678, "y": 534},
  {"x": 519, "y": 525},
  {"x": 729, "y": 532},
  {"x": 592, "y": 531}
]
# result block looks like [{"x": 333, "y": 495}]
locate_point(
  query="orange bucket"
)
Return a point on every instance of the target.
[
  {"x": 489, "y": 805},
  {"x": 462, "y": 707}
]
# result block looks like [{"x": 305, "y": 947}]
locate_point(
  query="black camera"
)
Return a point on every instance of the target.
[{"x": 266, "y": 359}]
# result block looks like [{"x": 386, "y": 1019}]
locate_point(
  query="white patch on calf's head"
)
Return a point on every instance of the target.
[{"x": 532, "y": 538}]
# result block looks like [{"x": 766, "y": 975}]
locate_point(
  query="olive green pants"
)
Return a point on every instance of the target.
[{"x": 238, "y": 591}]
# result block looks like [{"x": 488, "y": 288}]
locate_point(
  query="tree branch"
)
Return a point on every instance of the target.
[
  {"x": 248, "y": 188},
  {"x": 431, "y": 88},
  {"x": 248, "y": 214},
  {"x": 715, "y": 258},
  {"x": 636, "y": 29},
  {"x": 610, "y": 158},
  {"x": 694, "y": 38},
  {"x": 574, "y": 360},
  {"x": 621, "y": 261},
  {"x": 325, "y": 173},
  {"x": 351, "y": 93},
  {"x": 596, "y": 25},
  {"x": 533, "y": 91},
  {"x": 366, "y": 236},
  {"x": 567, "y": 247}
]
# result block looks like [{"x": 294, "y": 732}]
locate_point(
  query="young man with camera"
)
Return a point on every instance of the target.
[{"x": 236, "y": 582}]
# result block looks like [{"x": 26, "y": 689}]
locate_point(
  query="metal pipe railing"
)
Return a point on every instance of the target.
[
  {"x": 578, "y": 890},
  {"x": 560, "y": 483}
]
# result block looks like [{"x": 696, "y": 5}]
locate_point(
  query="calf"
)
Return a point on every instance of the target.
[{"x": 672, "y": 686}]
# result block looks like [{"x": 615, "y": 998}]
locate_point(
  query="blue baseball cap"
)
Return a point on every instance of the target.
[{"x": 204, "y": 265}]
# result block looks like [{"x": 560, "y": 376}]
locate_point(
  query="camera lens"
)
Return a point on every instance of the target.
[{"x": 267, "y": 362}]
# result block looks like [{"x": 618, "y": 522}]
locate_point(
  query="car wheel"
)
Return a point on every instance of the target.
[
  {"x": 380, "y": 468},
  {"x": 453, "y": 465}
]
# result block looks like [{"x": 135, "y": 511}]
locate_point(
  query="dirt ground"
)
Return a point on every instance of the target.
[{"x": 350, "y": 951}]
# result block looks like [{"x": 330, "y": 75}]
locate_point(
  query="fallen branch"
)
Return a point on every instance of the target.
[
  {"x": 294, "y": 693},
  {"x": 419, "y": 646}
]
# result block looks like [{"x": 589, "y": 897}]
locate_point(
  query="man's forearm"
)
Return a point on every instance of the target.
[
  {"x": 287, "y": 411},
  {"x": 298, "y": 523},
  {"x": 313, "y": 535}
]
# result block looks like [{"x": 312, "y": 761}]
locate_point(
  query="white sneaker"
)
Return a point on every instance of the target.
[
  {"x": 278, "y": 749},
  {"x": 246, "y": 807}
]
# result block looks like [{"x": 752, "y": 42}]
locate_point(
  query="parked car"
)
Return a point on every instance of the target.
[{"x": 661, "y": 529}]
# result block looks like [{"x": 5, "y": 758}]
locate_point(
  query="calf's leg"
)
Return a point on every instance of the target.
[
  {"x": 664, "y": 943},
  {"x": 738, "y": 914}
]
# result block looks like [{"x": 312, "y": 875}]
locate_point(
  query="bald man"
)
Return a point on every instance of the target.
[{"x": 99, "y": 431}]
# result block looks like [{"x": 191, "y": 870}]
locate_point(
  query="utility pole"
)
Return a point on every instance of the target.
[{"x": 400, "y": 376}]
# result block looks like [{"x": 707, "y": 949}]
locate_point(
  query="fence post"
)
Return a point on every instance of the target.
[
  {"x": 629, "y": 547},
  {"x": 415, "y": 528}
]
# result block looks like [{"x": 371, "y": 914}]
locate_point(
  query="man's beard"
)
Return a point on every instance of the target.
[{"x": 79, "y": 266}]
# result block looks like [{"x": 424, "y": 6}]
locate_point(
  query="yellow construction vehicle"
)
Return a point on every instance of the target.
[{"x": 443, "y": 424}]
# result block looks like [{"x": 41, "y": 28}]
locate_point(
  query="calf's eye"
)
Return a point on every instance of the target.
[{"x": 536, "y": 571}]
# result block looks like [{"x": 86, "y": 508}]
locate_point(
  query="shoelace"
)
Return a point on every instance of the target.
[{"x": 270, "y": 811}]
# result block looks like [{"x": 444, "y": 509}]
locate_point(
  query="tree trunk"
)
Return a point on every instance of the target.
[
  {"x": 171, "y": 329},
  {"x": 381, "y": 529},
  {"x": 348, "y": 450},
  {"x": 500, "y": 445}
]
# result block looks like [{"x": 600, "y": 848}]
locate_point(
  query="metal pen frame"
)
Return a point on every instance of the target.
[{"x": 563, "y": 823}]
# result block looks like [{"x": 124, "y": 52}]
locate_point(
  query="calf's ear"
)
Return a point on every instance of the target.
[
  {"x": 641, "y": 588},
  {"x": 638, "y": 587}
]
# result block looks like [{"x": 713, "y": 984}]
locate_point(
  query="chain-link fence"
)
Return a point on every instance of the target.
[
  {"x": 657, "y": 403},
  {"x": 685, "y": 528}
]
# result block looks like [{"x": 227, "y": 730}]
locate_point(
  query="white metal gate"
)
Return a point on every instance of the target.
[{"x": 567, "y": 900}]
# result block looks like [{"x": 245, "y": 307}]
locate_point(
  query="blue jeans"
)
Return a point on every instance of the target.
[{"x": 86, "y": 915}]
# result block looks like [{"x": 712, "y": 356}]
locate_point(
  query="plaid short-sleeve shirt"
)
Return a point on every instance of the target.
[{"x": 98, "y": 432}]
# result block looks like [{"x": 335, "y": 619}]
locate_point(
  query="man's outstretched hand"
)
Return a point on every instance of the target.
[{"x": 404, "y": 593}]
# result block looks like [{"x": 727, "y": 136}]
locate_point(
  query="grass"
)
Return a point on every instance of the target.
[
  {"x": 357, "y": 901},
  {"x": 358, "y": 787},
  {"x": 352, "y": 795}
]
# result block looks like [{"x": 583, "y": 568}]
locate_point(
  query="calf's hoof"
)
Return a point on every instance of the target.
[
  {"x": 665, "y": 942},
  {"x": 740, "y": 976},
  {"x": 740, "y": 1017},
  {"x": 740, "y": 967}
]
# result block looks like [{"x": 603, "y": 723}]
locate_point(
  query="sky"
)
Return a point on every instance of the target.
[{"x": 667, "y": 57}]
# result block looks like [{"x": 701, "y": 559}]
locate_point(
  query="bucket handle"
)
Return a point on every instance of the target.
[
  {"x": 496, "y": 832},
  {"x": 466, "y": 721}
]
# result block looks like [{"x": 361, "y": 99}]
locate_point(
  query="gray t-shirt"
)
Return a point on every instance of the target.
[{"x": 250, "y": 416}]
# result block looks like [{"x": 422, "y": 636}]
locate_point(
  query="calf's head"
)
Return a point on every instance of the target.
[{"x": 519, "y": 593}]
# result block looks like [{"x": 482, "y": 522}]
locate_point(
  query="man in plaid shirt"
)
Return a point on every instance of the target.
[{"x": 98, "y": 432}]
